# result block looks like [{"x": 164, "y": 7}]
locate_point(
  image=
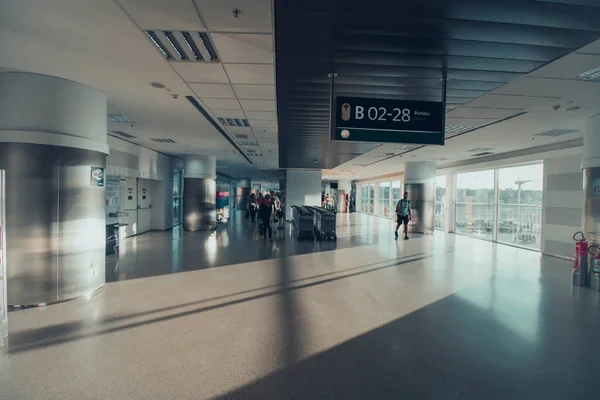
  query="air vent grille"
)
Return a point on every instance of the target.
[
  {"x": 248, "y": 143},
  {"x": 485, "y": 153},
  {"x": 457, "y": 128},
  {"x": 479, "y": 149},
  {"x": 123, "y": 134},
  {"x": 241, "y": 136},
  {"x": 184, "y": 46},
  {"x": 163, "y": 140},
  {"x": 556, "y": 132},
  {"x": 591, "y": 75},
  {"x": 234, "y": 122},
  {"x": 119, "y": 118}
]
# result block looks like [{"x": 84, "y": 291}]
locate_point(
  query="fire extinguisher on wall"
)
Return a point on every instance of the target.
[
  {"x": 594, "y": 267},
  {"x": 580, "y": 264}
]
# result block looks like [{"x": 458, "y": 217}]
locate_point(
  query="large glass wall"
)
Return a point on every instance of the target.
[
  {"x": 504, "y": 204},
  {"x": 520, "y": 205},
  {"x": 396, "y": 195},
  {"x": 440, "y": 199},
  {"x": 383, "y": 208},
  {"x": 475, "y": 203},
  {"x": 364, "y": 198}
]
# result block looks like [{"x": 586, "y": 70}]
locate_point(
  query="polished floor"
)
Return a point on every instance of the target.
[{"x": 228, "y": 316}]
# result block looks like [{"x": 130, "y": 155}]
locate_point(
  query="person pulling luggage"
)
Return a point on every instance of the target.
[{"x": 264, "y": 213}]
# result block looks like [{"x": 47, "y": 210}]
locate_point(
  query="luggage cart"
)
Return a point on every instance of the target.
[
  {"x": 303, "y": 222},
  {"x": 324, "y": 223}
]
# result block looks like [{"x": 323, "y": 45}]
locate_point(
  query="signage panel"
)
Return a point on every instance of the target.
[
  {"x": 382, "y": 120},
  {"x": 97, "y": 176}
]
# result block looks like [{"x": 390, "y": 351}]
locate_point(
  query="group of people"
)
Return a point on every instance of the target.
[{"x": 267, "y": 209}]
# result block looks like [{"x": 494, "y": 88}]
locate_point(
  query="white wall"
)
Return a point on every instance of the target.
[
  {"x": 562, "y": 204},
  {"x": 303, "y": 188},
  {"x": 130, "y": 160}
]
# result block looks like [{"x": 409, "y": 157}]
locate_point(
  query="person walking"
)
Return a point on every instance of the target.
[
  {"x": 252, "y": 208},
  {"x": 264, "y": 213},
  {"x": 403, "y": 215}
]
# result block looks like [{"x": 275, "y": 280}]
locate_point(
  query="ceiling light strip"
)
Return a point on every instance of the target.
[
  {"x": 184, "y": 46},
  {"x": 175, "y": 44},
  {"x": 202, "y": 111},
  {"x": 207, "y": 44},
  {"x": 187, "y": 38},
  {"x": 159, "y": 45}
]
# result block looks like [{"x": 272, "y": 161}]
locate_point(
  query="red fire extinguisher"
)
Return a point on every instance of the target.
[{"x": 581, "y": 251}]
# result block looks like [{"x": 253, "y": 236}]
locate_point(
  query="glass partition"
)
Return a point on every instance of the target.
[
  {"x": 364, "y": 199},
  {"x": 440, "y": 198},
  {"x": 396, "y": 195},
  {"x": 520, "y": 205},
  {"x": 383, "y": 208},
  {"x": 371, "y": 198},
  {"x": 475, "y": 195}
]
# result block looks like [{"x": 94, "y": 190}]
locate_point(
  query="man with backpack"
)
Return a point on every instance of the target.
[{"x": 402, "y": 215}]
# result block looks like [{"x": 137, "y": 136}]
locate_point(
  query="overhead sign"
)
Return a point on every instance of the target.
[{"x": 381, "y": 120}]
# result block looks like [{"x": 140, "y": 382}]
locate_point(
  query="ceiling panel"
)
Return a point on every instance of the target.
[
  {"x": 465, "y": 112},
  {"x": 217, "y": 91},
  {"x": 164, "y": 15},
  {"x": 592, "y": 48},
  {"x": 244, "y": 48},
  {"x": 543, "y": 87},
  {"x": 568, "y": 67},
  {"x": 399, "y": 49},
  {"x": 258, "y": 92},
  {"x": 499, "y": 114},
  {"x": 527, "y": 102},
  {"x": 228, "y": 113},
  {"x": 251, "y": 73},
  {"x": 258, "y": 105},
  {"x": 201, "y": 72},
  {"x": 253, "y": 16},
  {"x": 262, "y": 123},
  {"x": 262, "y": 116},
  {"x": 222, "y": 104}
]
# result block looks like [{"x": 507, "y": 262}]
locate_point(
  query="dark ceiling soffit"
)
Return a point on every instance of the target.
[
  {"x": 457, "y": 135},
  {"x": 202, "y": 111}
]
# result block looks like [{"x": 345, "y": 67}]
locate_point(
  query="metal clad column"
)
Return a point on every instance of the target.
[
  {"x": 53, "y": 149},
  {"x": 591, "y": 177},
  {"x": 199, "y": 193},
  {"x": 419, "y": 182},
  {"x": 244, "y": 188}
]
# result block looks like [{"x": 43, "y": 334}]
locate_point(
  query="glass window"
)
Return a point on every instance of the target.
[
  {"x": 520, "y": 205},
  {"x": 177, "y": 197},
  {"x": 371, "y": 198},
  {"x": 396, "y": 194},
  {"x": 364, "y": 203},
  {"x": 384, "y": 199},
  {"x": 440, "y": 199},
  {"x": 475, "y": 193}
]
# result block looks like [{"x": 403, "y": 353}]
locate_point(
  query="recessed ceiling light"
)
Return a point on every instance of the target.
[
  {"x": 572, "y": 108},
  {"x": 119, "y": 118},
  {"x": 591, "y": 75}
]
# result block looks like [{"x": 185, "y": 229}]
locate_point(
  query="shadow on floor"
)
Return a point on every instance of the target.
[
  {"x": 472, "y": 345},
  {"x": 69, "y": 332}
]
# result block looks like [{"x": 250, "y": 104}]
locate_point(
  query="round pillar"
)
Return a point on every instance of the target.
[
  {"x": 53, "y": 151},
  {"x": 591, "y": 176},
  {"x": 199, "y": 193},
  {"x": 419, "y": 182},
  {"x": 244, "y": 189}
]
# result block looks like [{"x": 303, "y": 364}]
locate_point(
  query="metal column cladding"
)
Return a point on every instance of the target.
[
  {"x": 55, "y": 224},
  {"x": 199, "y": 204}
]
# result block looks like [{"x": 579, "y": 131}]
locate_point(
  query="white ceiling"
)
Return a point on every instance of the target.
[
  {"x": 530, "y": 98},
  {"x": 102, "y": 43}
]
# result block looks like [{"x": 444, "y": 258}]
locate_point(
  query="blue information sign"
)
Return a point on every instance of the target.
[{"x": 382, "y": 120}]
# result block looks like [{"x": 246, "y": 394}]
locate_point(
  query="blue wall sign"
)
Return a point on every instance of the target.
[{"x": 381, "y": 120}]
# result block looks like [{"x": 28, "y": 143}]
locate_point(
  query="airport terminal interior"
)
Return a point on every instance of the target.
[{"x": 316, "y": 199}]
